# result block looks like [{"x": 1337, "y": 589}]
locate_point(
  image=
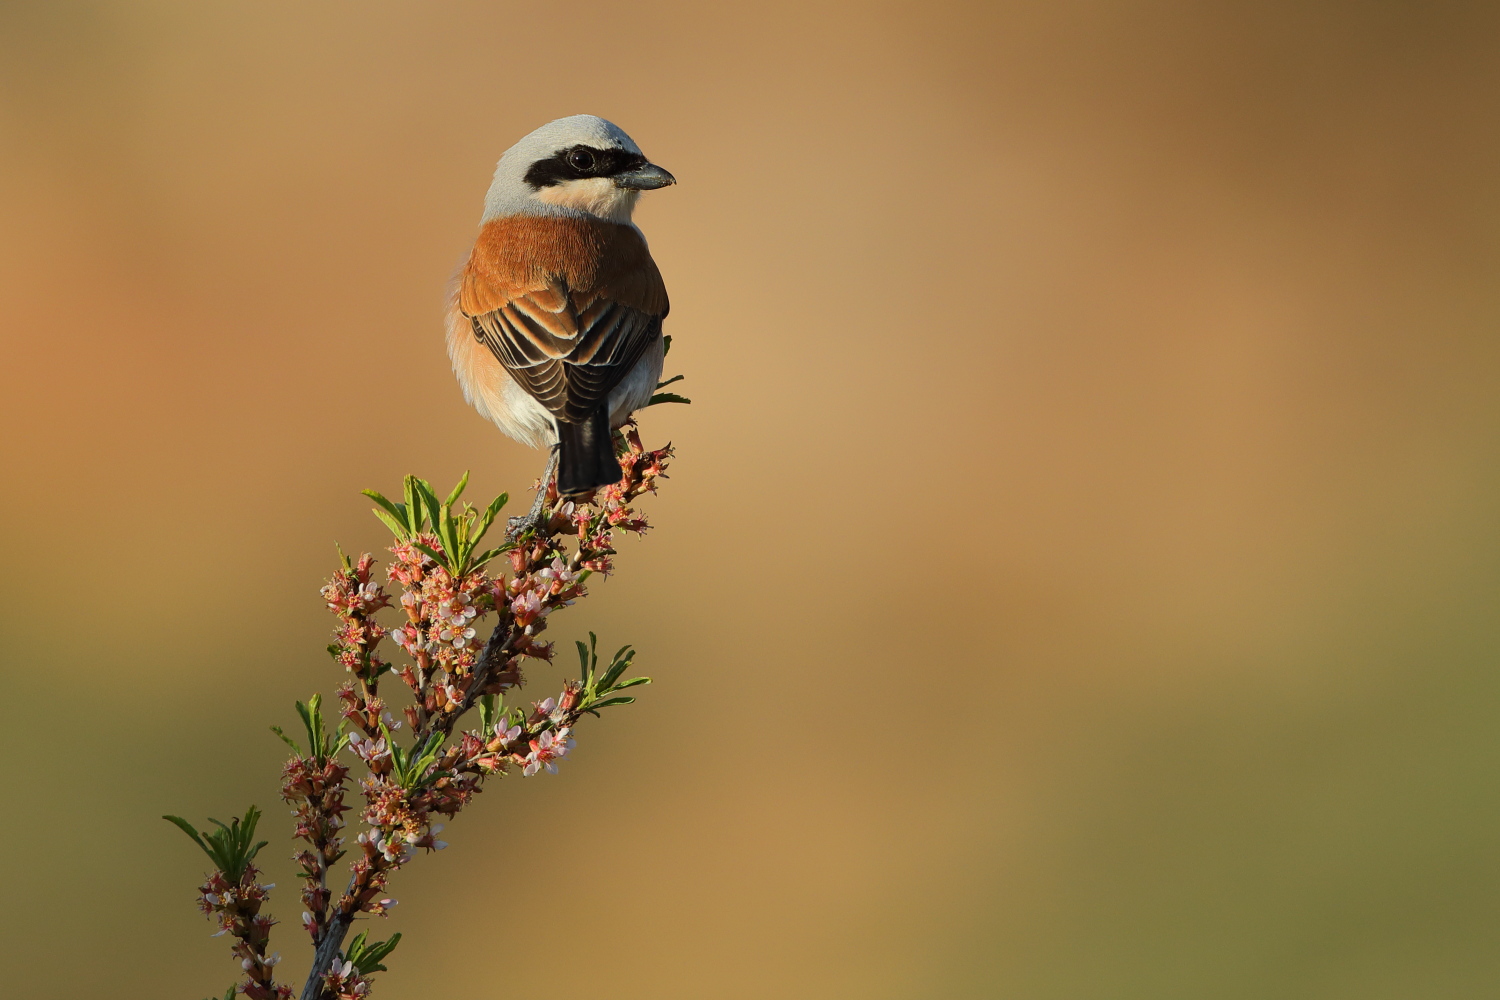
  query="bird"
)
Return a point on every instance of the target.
[{"x": 554, "y": 322}]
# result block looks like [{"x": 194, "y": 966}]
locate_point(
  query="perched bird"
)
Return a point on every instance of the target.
[{"x": 554, "y": 327}]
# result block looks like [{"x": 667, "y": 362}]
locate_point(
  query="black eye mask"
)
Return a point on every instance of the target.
[{"x": 579, "y": 162}]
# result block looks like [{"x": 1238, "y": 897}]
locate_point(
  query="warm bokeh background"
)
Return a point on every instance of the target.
[{"x": 1078, "y": 579}]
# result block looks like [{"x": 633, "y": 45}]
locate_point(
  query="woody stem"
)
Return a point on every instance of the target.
[{"x": 327, "y": 951}]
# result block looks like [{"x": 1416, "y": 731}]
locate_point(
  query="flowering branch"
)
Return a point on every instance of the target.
[
  {"x": 422, "y": 765},
  {"x": 234, "y": 894}
]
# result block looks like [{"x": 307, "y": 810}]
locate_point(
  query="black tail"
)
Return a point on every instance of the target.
[{"x": 586, "y": 458}]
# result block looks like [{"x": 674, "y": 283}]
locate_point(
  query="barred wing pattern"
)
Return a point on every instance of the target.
[
  {"x": 567, "y": 305},
  {"x": 566, "y": 349}
]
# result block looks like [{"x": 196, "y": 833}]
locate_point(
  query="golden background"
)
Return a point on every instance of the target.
[{"x": 1079, "y": 575}]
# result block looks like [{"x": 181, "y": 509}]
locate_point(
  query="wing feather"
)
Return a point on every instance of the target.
[{"x": 558, "y": 325}]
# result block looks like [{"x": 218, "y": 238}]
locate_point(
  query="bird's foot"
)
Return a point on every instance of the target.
[
  {"x": 539, "y": 514},
  {"x": 530, "y": 522}
]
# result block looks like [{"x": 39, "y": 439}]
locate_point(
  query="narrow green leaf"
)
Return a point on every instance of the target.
[
  {"x": 667, "y": 397},
  {"x": 430, "y": 502},
  {"x": 306, "y": 715},
  {"x": 457, "y": 490},
  {"x": 229, "y": 847},
  {"x": 488, "y": 517},
  {"x": 477, "y": 561},
  {"x": 674, "y": 378},
  {"x": 617, "y": 666},
  {"x": 448, "y": 532},
  {"x": 583, "y": 660},
  {"x": 412, "y": 506},
  {"x": 288, "y": 741},
  {"x": 441, "y": 559},
  {"x": 396, "y": 510},
  {"x": 188, "y": 829},
  {"x": 312, "y": 721},
  {"x": 400, "y": 530},
  {"x": 366, "y": 957},
  {"x": 380, "y": 949},
  {"x": 666, "y": 345}
]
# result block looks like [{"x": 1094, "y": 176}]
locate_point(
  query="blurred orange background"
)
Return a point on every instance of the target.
[{"x": 1078, "y": 578}]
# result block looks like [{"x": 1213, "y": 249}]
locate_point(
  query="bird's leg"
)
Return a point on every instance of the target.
[
  {"x": 518, "y": 526},
  {"x": 545, "y": 489}
]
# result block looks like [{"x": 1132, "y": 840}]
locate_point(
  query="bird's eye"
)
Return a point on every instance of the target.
[{"x": 581, "y": 160}]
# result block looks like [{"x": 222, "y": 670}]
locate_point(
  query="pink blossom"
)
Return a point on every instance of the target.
[{"x": 546, "y": 750}]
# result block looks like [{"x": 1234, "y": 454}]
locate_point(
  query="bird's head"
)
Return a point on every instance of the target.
[{"x": 580, "y": 165}]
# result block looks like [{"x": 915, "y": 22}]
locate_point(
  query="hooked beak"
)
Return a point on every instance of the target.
[{"x": 647, "y": 177}]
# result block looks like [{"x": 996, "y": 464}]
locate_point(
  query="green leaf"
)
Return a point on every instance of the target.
[
  {"x": 412, "y": 507},
  {"x": 188, "y": 829},
  {"x": 366, "y": 957},
  {"x": 667, "y": 397},
  {"x": 306, "y": 715},
  {"x": 434, "y": 553},
  {"x": 392, "y": 515},
  {"x": 617, "y": 666},
  {"x": 400, "y": 530},
  {"x": 409, "y": 766},
  {"x": 457, "y": 490},
  {"x": 447, "y": 528},
  {"x": 318, "y": 746},
  {"x": 396, "y": 510},
  {"x": 477, "y": 561},
  {"x": 584, "y": 664},
  {"x": 230, "y": 847},
  {"x": 674, "y": 378},
  {"x": 666, "y": 345},
  {"x": 606, "y": 703},
  {"x": 488, "y": 517},
  {"x": 631, "y": 683},
  {"x": 430, "y": 502},
  {"x": 285, "y": 739}
]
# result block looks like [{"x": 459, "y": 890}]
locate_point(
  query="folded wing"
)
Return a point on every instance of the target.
[{"x": 567, "y": 306}]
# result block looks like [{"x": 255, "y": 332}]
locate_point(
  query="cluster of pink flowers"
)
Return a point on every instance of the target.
[
  {"x": 354, "y": 597},
  {"x": 440, "y": 628},
  {"x": 316, "y": 793},
  {"x": 237, "y": 905},
  {"x": 533, "y": 595},
  {"x": 612, "y": 506}
]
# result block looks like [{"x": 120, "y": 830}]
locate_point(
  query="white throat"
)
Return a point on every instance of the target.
[{"x": 597, "y": 196}]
